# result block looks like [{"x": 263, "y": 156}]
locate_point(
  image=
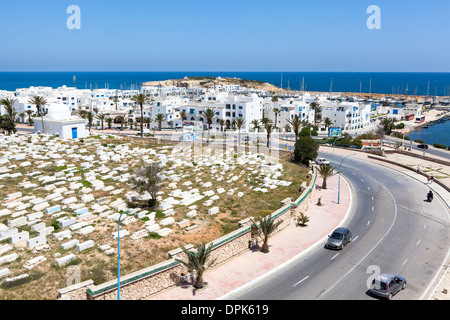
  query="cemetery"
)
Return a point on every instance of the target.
[{"x": 61, "y": 202}]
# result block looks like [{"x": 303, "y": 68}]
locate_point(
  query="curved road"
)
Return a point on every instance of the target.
[{"x": 394, "y": 231}]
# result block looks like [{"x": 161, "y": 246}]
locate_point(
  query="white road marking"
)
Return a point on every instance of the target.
[
  {"x": 301, "y": 281},
  {"x": 368, "y": 188},
  {"x": 372, "y": 208},
  {"x": 418, "y": 242},
  {"x": 334, "y": 256},
  {"x": 370, "y": 251},
  {"x": 368, "y": 222},
  {"x": 404, "y": 262},
  {"x": 372, "y": 198},
  {"x": 362, "y": 180},
  {"x": 425, "y": 226},
  {"x": 409, "y": 190},
  {"x": 355, "y": 238}
]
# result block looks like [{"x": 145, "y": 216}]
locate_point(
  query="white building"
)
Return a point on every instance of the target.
[
  {"x": 59, "y": 121},
  {"x": 347, "y": 115}
]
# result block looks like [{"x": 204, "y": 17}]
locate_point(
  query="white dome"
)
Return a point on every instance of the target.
[{"x": 58, "y": 111}]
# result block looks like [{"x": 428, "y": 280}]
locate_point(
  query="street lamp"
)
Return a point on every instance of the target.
[
  {"x": 118, "y": 261},
  {"x": 339, "y": 183}
]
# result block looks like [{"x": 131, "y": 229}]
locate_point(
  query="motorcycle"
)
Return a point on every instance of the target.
[{"x": 430, "y": 197}]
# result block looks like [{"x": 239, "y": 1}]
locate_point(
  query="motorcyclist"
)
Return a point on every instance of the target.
[{"x": 430, "y": 195}]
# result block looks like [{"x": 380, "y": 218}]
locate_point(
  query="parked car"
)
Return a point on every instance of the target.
[
  {"x": 422, "y": 146},
  {"x": 320, "y": 161},
  {"x": 387, "y": 285},
  {"x": 339, "y": 238}
]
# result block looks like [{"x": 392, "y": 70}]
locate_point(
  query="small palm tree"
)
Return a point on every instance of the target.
[
  {"x": 302, "y": 220},
  {"x": 121, "y": 120},
  {"x": 222, "y": 124},
  {"x": 325, "y": 171},
  {"x": 269, "y": 127},
  {"x": 39, "y": 101},
  {"x": 296, "y": 125},
  {"x": 8, "y": 103},
  {"x": 197, "y": 260},
  {"x": 141, "y": 99},
  {"x": 102, "y": 118},
  {"x": 22, "y": 116},
  {"x": 90, "y": 119},
  {"x": 109, "y": 122},
  {"x": 277, "y": 112},
  {"x": 255, "y": 124},
  {"x": 208, "y": 115},
  {"x": 239, "y": 123},
  {"x": 29, "y": 114},
  {"x": 265, "y": 228},
  {"x": 148, "y": 121},
  {"x": 327, "y": 121},
  {"x": 159, "y": 119}
]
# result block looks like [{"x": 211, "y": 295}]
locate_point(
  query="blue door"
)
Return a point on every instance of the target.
[{"x": 74, "y": 133}]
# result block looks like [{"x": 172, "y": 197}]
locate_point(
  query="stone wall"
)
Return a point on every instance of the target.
[{"x": 146, "y": 282}]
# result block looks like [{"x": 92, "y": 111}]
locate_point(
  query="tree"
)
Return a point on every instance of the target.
[
  {"x": 121, "y": 120},
  {"x": 8, "y": 103},
  {"x": 265, "y": 228},
  {"x": 222, "y": 124},
  {"x": 141, "y": 99},
  {"x": 146, "y": 179},
  {"x": 208, "y": 115},
  {"x": 7, "y": 124},
  {"x": 277, "y": 112},
  {"x": 325, "y": 171},
  {"x": 39, "y": 101},
  {"x": 90, "y": 119},
  {"x": 269, "y": 127},
  {"x": 109, "y": 122},
  {"x": 296, "y": 125},
  {"x": 327, "y": 121},
  {"x": 305, "y": 150},
  {"x": 255, "y": 124},
  {"x": 148, "y": 121},
  {"x": 317, "y": 111},
  {"x": 29, "y": 114},
  {"x": 387, "y": 124},
  {"x": 183, "y": 117},
  {"x": 197, "y": 260},
  {"x": 239, "y": 123},
  {"x": 159, "y": 119},
  {"x": 102, "y": 118}
]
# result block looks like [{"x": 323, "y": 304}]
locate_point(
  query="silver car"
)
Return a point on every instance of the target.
[
  {"x": 387, "y": 285},
  {"x": 339, "y": 238}
]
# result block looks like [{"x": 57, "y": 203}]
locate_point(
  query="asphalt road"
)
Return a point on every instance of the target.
[{"x": 394, "y": 231}]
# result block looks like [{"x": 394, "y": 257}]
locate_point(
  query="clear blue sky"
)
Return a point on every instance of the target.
[{"x": 231, "y": 35}]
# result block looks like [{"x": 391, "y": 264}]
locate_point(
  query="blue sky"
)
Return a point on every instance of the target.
[{"x": 231, "y": 35}]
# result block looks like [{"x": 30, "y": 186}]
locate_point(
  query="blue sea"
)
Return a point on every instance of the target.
[
  {"x": 374, "y": 82},
  {"x": 438, "y": 133}
]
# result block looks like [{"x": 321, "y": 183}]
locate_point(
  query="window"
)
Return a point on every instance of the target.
[{"x": 240, "y": 107}]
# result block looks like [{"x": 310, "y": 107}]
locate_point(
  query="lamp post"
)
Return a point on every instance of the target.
[
  {"x": 339, "y": 182},
  {"x": 118, "y": 261},
  {"x": 332, "y": 158}
]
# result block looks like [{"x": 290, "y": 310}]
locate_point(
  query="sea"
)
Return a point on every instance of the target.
[{"x": 420, "y": 83}]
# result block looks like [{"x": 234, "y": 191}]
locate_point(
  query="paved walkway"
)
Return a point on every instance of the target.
[{"x": 284, "y": 246}]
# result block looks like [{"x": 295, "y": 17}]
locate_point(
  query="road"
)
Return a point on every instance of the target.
[{"x": 394, "y": 230}]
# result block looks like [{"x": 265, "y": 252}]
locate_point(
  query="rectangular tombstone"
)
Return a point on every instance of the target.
[
  {"x": 69, "y": 244},
  {"x": 37, "y": 241},
  {"x": 85, "y": 245},
  {"x": 24, "y": 235}
]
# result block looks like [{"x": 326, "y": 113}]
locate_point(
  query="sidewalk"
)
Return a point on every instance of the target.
[{"x": 284, "y": 246}]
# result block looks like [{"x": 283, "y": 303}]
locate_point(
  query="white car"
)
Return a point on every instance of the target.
[{"x": 320, "y": 161}]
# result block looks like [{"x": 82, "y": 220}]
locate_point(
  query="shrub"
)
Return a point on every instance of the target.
[
  {"x": 419, "y": 141},
  {"x": 440, "y": 146}
]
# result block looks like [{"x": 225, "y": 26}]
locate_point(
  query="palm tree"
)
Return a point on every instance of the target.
[
  {"x": 255, "y": 124},
  {"x": 141, "y": 99},
  {"x": 101, "y": 117},
  {"x": 8, "y": 103},
  {"x": 327, "y": 121},
  {"x": 39, "y": 101},
  {"x": 222, "y": 124},
  {"x": 208, "y": 115},
  {"x": 183, "y": 116},
  {"x": 121, "y": 119},
  {"x": 239, "y": 123},
  {"x": 22, "y": 116},
  {"x": 296, "y": 125},
  {"x": 325, "y": 171},
  {"x": 197, "y": 261},
  {"x": 159, "y": 119},
  {"x": 266, "y": 228},
  {"x": 29, "y": 114},
  {"x": 90, "y": 119},
  {"x": 277, "y": 112},
  {"x": 109, "y": 122},
  {"x": 269, "y": 127},
  {"x": 148, "y": 121}
]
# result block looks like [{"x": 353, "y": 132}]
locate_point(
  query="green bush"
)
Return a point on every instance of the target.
[
  {"x": 440, "y": 146},
  {"x": 419, "y": 141}
]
